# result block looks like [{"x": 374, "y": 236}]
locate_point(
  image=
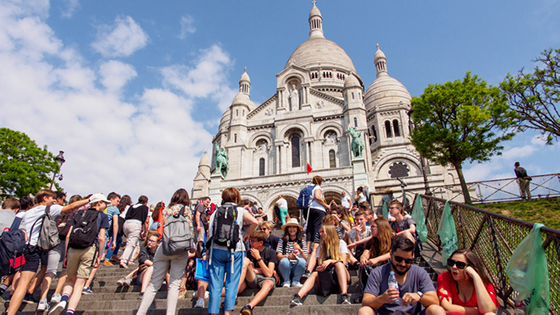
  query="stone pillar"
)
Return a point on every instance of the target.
[
  {"x": 214, "y": 189},
  {"x": 359, "y": 172}
]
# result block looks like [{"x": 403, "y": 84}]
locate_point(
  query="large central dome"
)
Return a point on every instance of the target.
[{"x": 320, "y": 52}]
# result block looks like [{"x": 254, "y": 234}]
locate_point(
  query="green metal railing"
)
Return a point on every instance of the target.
[{"x": 494, "y": 237}]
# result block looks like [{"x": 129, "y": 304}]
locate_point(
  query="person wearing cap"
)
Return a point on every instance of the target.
[
  {"x": 44, "y": 198},
  {"x": 79, "y": 262},
  {"x": 291, "y": 253}
]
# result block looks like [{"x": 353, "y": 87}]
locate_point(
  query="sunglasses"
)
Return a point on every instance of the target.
[
  {"x": 458, "y": 264},
  {"x": 400, "y": 259}
]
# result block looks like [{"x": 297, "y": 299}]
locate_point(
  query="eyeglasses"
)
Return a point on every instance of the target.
[
  {"x": 458, "y": 264},
  {"x": 394, "y": 208},
  {"x": 400, "y": 259}
]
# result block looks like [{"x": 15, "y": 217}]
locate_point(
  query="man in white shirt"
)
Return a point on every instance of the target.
[{"x": 345, "y": 201}]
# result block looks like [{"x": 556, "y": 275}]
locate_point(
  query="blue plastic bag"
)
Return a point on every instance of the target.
[
  {"x": 447, "y": 234},
  {"x": 202, "y": 272},
  {"x": 528, "y": 274}
]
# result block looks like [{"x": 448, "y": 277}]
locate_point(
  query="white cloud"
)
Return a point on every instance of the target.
[
  {"x": 143, "y": 145},
  {"x": 207, "y": 78},
  {"x": 187, "y": 26},
  {"x": 121, "y": 39},
  {"x": 115, "y": 74},
  {"x": 70, "y": 7}
]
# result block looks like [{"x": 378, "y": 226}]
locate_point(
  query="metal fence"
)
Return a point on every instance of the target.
[
  {"x": 506, "y": 189},
  {"x": 494, "y": 237}
]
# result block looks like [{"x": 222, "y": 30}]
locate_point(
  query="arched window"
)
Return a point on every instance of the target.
[
  {"x": 332, "y": 159},
  {"x": 261, "y": 167},
  {"x": 295, "y": 152},
  {"x": 374, "y": 133},
  {"x": 237, "y": 112},
  {"x": 234, "y": 138},
  {"x": 388, "y": 129},
  {"x": 355, "y": 122},
  {"x": 352, "y": 95},
  {"x": 396, "y": 128}
]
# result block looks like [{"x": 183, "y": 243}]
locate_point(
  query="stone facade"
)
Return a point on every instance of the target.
[{"x": 319, "y": 96}]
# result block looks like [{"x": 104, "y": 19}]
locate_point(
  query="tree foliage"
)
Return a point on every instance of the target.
[
  {"x": 535, "y": 96},
  {"x": 24, "y": 167},
  {"x": 461, "y": 120}
]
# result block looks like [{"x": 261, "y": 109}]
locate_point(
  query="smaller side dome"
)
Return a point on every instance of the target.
[
  {"x": 380, "y": 62},
  {"x": 351, "y": 81},
  {"x": 245, "y": 82},
  {"x": 204, "y": 160},
  {"x": 314, "y": 11},
  {"x": 379, "y": 55}
]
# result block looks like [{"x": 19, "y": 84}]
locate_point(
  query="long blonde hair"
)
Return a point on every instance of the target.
[{"x": 330, "y": 244}]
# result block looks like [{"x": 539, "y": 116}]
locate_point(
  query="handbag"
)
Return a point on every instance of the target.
[
  {"x": 202, "y": 272},
  {"x": 327, "y": 281}
]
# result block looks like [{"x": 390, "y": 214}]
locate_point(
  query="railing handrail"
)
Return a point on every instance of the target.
[{"x": 493, "y": 214}]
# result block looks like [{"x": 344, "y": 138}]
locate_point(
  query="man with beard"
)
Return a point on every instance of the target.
[{"x": 415, "y": 288}]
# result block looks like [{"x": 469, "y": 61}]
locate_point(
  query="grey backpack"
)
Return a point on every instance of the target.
[
  {"x": 178, "y": 236},
  {"x": 48, "y": 235}
]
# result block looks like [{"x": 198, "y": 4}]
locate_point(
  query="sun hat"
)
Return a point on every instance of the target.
[
  {"x": 292, "y": 222},
  {"x": 98, "y": 197}
]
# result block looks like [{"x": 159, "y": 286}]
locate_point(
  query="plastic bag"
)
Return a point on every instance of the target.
[
  {"x": 447, "y": 234},
  {"x": 385, "y": 211},
  {"x": 528, "y": 274},
  {"x": 420, "y": 219}
]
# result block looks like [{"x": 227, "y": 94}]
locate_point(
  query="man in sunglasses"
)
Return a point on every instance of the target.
[{"x": 416, "y": 290}]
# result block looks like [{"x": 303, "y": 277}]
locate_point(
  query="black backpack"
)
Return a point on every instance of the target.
[
  {"x": 85, "y": 231},
  {"x": 225, "y": 231},
  {"x": 12, "y": 246}
]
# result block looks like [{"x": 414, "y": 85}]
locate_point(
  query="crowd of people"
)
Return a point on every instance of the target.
[{"x": 237, "y": 254}]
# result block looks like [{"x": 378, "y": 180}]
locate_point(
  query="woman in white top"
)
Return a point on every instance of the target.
[
  {"x": 317, "y": 211},
  {"x": 360, "y": 196}
]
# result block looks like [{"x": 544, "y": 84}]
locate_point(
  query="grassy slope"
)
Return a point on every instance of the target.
[{"x": 546, "y": 212}]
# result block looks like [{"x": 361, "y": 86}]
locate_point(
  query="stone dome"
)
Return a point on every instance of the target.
[
  {"x": 226, "y": 117},
  {"x": 320, "y": 52},
  {"x": 243, "y": 99},
  {"x": 204, "y": 160},
  {"x": 386, "y": 91},
  {"x": 351, "y": 81}
]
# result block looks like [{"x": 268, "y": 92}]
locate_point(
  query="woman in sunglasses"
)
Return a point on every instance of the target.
[{"x": 465, "y": 288}]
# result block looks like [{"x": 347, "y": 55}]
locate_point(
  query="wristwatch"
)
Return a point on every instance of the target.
[{"x": 420, "y": 293}]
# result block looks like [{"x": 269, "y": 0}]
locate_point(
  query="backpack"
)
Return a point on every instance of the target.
[
  {"x": 48, "y": 235},
  {"x": 64, "y": 221},
  {"x": 304, "y": 200},
  {"x": 225, "y": 231},
  {"x": 178, "y": 236},
  {"x": 12, "y": 246},
  {"x": 85, "y": 231}
]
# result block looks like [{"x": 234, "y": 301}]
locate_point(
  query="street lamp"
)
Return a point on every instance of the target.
[
  {"x": 410, "y": 123},
  {"x": 59, "y": 160}
]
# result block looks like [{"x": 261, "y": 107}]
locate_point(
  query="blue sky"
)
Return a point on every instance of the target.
[{"x": 132, "y": 91}]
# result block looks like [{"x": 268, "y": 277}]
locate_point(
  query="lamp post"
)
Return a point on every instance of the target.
[
  {"x": 422, "y": 164},
  {"x": 59, "y": 160}
]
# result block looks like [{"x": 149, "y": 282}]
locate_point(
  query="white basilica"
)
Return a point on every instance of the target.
[{"x": 319, "y": 98}]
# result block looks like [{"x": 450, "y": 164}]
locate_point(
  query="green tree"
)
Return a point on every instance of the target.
[
  {"x": 459, "y": 121},
  {"x": 534, "y": 96},
  {"x": 24, "y": 167}
]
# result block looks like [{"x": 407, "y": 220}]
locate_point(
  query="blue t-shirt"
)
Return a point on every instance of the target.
[{"x": 417, "y": 279}]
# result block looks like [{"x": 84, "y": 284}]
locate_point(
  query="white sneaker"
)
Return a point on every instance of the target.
[
  {"x": 199, "y": 303},
  {"x": 42, "y": 306},
  {"x": 58, "y": 308},
  {"x": 206, "y": 294},
  {"x": 286, "y": 285},
  {"x": 297, "y": 285},
  {"x": 56, "y": 298}
]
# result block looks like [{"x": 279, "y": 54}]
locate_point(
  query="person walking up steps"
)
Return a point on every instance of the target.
[{"x": 135, "y": 227}]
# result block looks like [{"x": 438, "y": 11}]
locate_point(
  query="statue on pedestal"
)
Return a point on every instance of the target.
[
  {"x": 222, "y": 159},
  {"x": 357, "y": 143}
]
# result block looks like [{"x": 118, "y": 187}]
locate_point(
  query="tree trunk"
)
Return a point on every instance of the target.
[{"x": 464, "y": 187}]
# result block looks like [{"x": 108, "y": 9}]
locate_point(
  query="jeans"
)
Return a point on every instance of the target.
[
  {"x": 314, "y": 225},
  {"x": 110, "y": 252},
  {"x": 292, "y": 269},
  {"x": 176, "y": 265},
  {"x": 283, "y": 215},
  {"x": 132, "y": 229},
  {"x": 220, "y": 266}
]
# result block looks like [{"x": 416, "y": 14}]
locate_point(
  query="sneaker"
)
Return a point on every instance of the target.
[
  {"x": 346, "y": 299},
  {"x": 29, "y": 299},
  {"x": 121, "y": 282},
  {"x": 56, "y": 298},
  {"x": 199, "y": 303},
  {"x": 87, "y": 290},
  {"x": 58, "y": 308},
  {"x": 247, "y": 310},
  {"x": 115, "y": 259},
  {"x": 296, "y": 301},
  {"x": 43, "y": 305},
  {"x": 107, "y": 263},
  {"x": 297, "y": 285},
  {"x": 306, "y": 274},
  {"x": 286, "y": 285},
  {"x": 127, "y": 282},
  {"x": 7, "y": 302}
]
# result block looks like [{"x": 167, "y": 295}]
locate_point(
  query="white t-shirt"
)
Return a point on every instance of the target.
[
  {"x": 341, "y": 246},
  {"x": 34, "y": 214},
  {"x": 282, "y": 203},
  {"x": 345, "y": 202},
  {"x": 314, "y": 203},
  {"x": 362, "y": 198}
]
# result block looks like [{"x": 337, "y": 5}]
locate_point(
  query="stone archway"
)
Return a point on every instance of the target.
[
  {"x": 293, "y": 211},
  {"x": 332, "y": 195}
]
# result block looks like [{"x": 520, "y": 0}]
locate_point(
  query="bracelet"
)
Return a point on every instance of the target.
[{"x": 259, "y": 259}]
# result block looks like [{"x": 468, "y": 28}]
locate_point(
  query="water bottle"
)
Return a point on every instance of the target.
[
  {"x": 296, "y": 252},
  {"x": 393, "y": 284}
]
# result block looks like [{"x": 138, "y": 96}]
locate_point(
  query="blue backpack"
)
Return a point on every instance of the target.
[{"x": 304, "y": 200}]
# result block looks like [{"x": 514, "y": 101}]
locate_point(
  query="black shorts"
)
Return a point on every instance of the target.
[
  {"x": 32, "y": 259},
  {"x": 44, "y": 258}
]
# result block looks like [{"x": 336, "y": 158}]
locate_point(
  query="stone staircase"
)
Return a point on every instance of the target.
[{"x": 112, "y": 299}]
